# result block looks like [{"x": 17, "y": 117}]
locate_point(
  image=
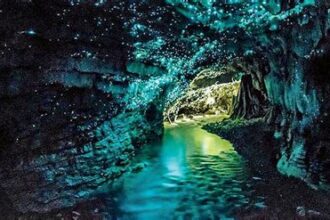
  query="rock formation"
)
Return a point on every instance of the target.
[
  {"x": 210, "y": 93},
  {"x": 65, "y": 124}
]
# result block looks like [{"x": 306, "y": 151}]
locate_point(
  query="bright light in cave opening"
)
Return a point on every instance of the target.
[{"x": 210, "y": 93}]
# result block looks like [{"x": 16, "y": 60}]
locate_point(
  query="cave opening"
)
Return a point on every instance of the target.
[
  {"x": 212, "y": 93},
  {"x": 188, "y": 160}
]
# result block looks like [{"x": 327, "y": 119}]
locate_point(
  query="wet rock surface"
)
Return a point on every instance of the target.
[{"x": 285, "y": 198}]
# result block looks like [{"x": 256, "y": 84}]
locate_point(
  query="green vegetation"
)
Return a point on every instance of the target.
[{"x": 228, "y": 125}]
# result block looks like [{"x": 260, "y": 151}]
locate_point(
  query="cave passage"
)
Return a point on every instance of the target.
[
  {"x": 87, "y": 85},
  {"x": 212, "y": 92},
  {"x": 189, "y": 173}
]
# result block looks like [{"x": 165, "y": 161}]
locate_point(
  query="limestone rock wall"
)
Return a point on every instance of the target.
[
  {"x": 284, "y": 60},
  {"x": 65, "y": 134},
  {"x": 211, "y": 92},
  {"x": 66, "y": 126}
]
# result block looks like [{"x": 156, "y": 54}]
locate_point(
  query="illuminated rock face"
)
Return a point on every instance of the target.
[
  {"x": 64, "y": 133},
  {"x": 83, "y": 83},
  {"x": 211, "y": 92}
]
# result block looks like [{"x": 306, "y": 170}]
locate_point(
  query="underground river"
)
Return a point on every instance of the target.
[{"x": 190, "y": 173}]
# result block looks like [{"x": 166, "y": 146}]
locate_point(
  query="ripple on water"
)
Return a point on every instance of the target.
[{"x": 191, "y": 174}]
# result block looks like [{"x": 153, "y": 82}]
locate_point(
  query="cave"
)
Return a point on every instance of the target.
[{"x": 164, "y": 109}]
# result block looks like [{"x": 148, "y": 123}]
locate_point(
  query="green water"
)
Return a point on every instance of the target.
[{"x": 191, "y": 174}]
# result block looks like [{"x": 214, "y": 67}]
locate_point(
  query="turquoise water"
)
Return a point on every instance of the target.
[{"x": 189, "y": 174}]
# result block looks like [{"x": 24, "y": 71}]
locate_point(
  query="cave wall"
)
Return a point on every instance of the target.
[
  {"x": 65, "y": 135},
  {"x": 67, "y": 124},
  {"x": 285, "y": 61}
]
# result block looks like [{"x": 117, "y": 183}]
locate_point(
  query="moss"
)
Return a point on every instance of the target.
[
  {"x": 138, "y": 167},
  {"x": 230, "y": 124}
]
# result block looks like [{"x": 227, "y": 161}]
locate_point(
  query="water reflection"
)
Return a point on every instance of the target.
[{"x": 192, "y": 174}]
